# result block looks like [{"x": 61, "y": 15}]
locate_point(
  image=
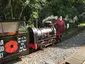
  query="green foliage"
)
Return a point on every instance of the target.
[
  {"x": 18, "y": 9},
  {"x": 63, "y": 7}
]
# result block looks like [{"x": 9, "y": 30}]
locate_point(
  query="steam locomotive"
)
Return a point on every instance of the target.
[{"x": 17, "y": 40}]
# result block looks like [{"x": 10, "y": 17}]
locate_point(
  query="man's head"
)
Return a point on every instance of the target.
[{"x": 61, "y": 18}]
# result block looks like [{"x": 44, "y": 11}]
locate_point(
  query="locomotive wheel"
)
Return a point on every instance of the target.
[
  {"x": 31, "y": 50},
  {"x": 58, "y": 39},
  {"x": 54, "y": 44},
  {"x": 42, "y": 47}
]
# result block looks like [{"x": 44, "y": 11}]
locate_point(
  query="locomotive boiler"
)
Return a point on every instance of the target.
[{"x": 41, "y": 37}]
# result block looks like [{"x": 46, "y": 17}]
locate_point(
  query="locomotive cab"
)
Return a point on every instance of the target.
[{"x": 13, "y": 40}]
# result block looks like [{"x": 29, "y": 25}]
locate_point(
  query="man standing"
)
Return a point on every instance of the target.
[{"x": 60, "y": 28}]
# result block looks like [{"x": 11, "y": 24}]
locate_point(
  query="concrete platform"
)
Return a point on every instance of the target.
[{"x": 76, "y": 58}]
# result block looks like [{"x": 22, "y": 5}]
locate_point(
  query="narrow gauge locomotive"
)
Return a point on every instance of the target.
[
  {"x": 12, "y": 42},
  {"x": 41, "y": 37}
]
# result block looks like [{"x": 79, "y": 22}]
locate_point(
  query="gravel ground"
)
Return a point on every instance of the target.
[{"x": 55, "y": 55}]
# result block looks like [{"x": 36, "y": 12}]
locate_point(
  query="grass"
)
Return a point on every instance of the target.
[{"x": 81, "y": 25}]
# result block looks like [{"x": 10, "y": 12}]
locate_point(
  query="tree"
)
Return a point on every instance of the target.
[{"x": 17, "y": 9}]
